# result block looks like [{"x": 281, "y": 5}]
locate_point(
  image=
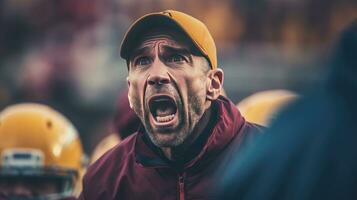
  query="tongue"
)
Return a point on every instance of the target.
[{"x": 164, "y": 111}]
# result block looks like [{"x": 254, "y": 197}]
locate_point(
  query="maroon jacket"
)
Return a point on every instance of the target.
[{"x": 135, "y": 170}]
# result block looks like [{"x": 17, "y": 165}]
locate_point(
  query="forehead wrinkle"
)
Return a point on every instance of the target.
[
  {"x": 160, "y": 43},
  {"x": 178, "y": 49},
  {"x": 146, "y": 47},
  {"x": 153, "y": 38},
  {"x": 157, "y": 40}
]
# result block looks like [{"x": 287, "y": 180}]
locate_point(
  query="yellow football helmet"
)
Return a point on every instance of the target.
[
  {"x": 261, "y": 107},
  {"x": 38, "y": 142}
]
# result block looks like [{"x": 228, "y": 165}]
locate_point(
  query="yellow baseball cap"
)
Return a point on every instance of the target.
[{"x": 194, "y": 28}]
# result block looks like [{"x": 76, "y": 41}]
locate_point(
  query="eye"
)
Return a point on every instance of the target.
[
  {"x": 144, "y": 60},
  {"x": 176, "y": 58}
]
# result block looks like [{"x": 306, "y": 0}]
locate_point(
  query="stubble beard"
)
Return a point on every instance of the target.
[{"x": 178, "y": 132}]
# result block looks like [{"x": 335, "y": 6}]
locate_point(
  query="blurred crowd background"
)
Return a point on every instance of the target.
[{"x": 66, "y": 53}]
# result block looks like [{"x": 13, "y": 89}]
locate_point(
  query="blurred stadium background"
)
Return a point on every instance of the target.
[{"x": 64, "y": 53}]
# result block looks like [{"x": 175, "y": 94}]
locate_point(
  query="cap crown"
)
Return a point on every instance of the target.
[{"x": 194, "y": 28}]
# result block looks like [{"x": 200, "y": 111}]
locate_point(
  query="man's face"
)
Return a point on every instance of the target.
[{"x": 167, "y": 86}]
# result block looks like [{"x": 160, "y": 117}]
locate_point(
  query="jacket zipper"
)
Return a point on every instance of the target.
[{"x": 181, "y": 182}]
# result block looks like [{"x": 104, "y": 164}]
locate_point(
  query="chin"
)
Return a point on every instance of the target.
[{"x": 166, "y": 140}]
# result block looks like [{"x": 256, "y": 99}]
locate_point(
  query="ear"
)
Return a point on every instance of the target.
[
  {"x": 128, "y": 81},
  {"x": 129, "y": 99},
  {"x": 214, "y": 83}
]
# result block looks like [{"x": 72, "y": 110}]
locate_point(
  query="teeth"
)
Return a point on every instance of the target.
[{"x": 165, "y": 118}]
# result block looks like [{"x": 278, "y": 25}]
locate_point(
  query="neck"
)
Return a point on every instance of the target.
[{"x": 178, "y": 153}]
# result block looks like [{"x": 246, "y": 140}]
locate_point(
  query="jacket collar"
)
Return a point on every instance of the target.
[{"x": 228, "y": 125}]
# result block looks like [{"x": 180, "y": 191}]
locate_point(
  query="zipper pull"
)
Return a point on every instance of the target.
[{"x": 181, "y": 187}]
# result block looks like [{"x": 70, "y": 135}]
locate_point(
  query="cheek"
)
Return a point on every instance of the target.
[
  {"x": 196, "y": 86},
  {"x": 135, "y": 94},
  {"x": 196, "y": 93},
  {"x": 135, "y": 85}
]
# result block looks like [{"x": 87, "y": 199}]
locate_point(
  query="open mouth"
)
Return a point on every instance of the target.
[{"x": 163, "y": 109}]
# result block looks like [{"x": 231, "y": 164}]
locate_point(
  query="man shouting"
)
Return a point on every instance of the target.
[{"x": 189, "y": 129}]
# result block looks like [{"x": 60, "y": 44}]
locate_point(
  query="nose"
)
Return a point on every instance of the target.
[{"x": 158, "y": 74}]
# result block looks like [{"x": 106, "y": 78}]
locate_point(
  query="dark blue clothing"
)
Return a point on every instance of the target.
[{"x": 310, "y": 151}]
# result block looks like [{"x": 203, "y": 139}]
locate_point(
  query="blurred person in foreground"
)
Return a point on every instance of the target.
[
  {"x": 310, "y": 151},
  {"x": 262, "y": 107},
  {"x": 188, "y": 127},
  {"x": 41, "y": 154}
]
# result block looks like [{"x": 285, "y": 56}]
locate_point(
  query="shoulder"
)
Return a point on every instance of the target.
[
  {"x": 251, "y": 131},
  {"x": 100, "y": 173},
  {"x": 252, "y": 128},
  {"x": 114, "y": 156},
  {"x": 249, "y": 134}
]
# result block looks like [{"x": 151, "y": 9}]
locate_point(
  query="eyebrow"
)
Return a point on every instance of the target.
[
  {"x": 167, "y": 48},
  {"x": 139, "y": 51},
  {"x": 171, "y": 49}
]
